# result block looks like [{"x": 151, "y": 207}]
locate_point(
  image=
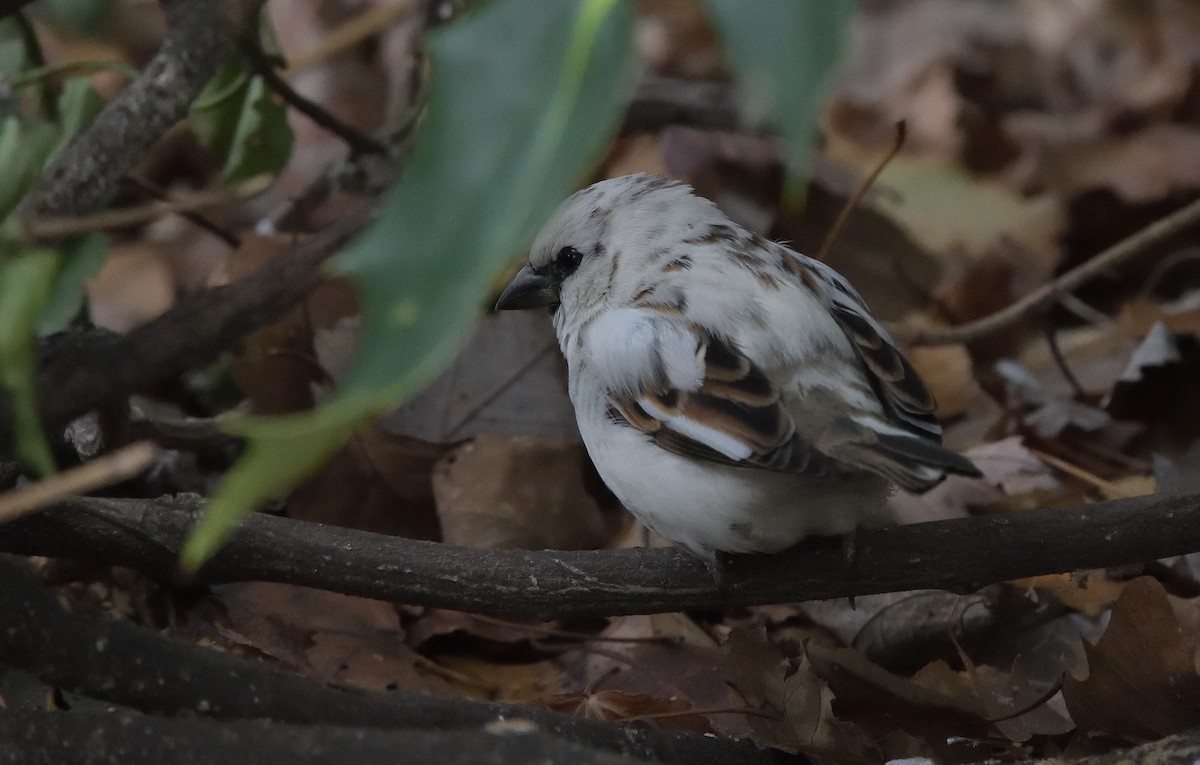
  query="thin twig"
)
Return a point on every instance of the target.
[
  {"x": 1109, "y": 489},
  {"x": 1061, "y": 361},
  {"x": 852, "y": 203},
  {"x": 159, "y": 193},
  {"x": 105, "y": 470},
  {"x": 1126, "y": 249},
  {"x": 351, "y": 33},
  {"x": 264, "y": 67},
  {"x": 44, "y": 228}
]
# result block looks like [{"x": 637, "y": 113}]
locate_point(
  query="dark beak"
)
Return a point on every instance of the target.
[{"x": 528, "y": 289}]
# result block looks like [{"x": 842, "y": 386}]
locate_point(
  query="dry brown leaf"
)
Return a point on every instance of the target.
[
  {"x": 331, "y": 637},
  {"x": 673, "y": 658},
  {"x": 377, "y": 482},
  {"x": 880, "y": 702},
  {"x": 488, "y": 495},
  {"x": 133, "y": 286},
  {"x": 509, "y": 378},
  {"x": 526, "y": 682},
  {"x": 1142, "y": 682},
  {"x": 947, "y": 371},
  {"x": 772, "y": 683},
  {"x": 631, "y": 708},
  {"x": 995, "y": 695},
  {"x": 1091, "y": 593}
]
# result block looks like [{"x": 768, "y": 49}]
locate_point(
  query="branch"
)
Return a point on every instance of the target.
[
  {"x": 119, "y": 662},
  {"x": 264, "y": 67},
  {"x": 133, "y": 739},
  {"x": 661, "y": 101},
  {"x": 1135, "y": 244},
  {"x": 81, "y": 371},
  {"x": 960, "y": 555},
  {"x": 85, "y": 175}
]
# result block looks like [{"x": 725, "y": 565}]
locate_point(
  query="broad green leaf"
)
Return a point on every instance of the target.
[
  {"x": 517, "y": 113},
  {"x": 238, "y": 117},
  {"x": 78, "y": 105},
  {"x": 82, "y": 257},
  {"x": 783, "y": 53},
  {"x": 26, "y": 280},
  {"x": 214, "y": 114},
  {"x": 24, "y": 150},
  {"x": 13, "y": 56},
  {"x": 81, "y": 16},
  {"x": 262, "y": 141}
]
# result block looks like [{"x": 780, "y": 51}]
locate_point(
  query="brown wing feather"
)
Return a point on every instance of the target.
[
  {"x": 904, "y": 396},
  {"x": 735, "y": 398}
]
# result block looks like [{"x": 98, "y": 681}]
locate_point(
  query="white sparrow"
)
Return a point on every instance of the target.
[{"x": 735, "y": 395}]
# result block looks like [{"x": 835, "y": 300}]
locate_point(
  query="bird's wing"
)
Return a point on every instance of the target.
[
  {"x": 695, "y": 393},
  {"x": 904, "y": 441}
]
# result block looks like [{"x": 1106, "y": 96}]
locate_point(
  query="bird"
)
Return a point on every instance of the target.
[{"x": 735, "y": 395}]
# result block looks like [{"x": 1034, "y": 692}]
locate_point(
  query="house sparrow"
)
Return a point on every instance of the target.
[{"x": 735, "y": 395}]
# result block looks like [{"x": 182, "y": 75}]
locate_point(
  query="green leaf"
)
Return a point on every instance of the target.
[
  {"x": 26, "y": 281},
  {"x": 783, "y": 53},
  {"x": 85, "y": 17},
  {"x": 24, "y": 150},
  {"x": 13, "y": 56},
  {"x": 78, "y": 105},
  {"x": 262, "y": 140},
  {"x": 518, "y": 112},
  {"x": 239, "y": 117},
  {"x": 82, "y": 257}
]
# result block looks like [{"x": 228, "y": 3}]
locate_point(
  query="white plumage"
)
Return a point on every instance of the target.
[{"x": 735, "y": 395}]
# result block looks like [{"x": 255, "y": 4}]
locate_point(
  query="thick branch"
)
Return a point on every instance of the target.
[
  {"x": 132, "y": 739},
  {"x": 81, "y": 371},
  {"x": 119, "y": 662},
  {"x": 84, "y": 177},
  {"x": 961, "y": 555}
]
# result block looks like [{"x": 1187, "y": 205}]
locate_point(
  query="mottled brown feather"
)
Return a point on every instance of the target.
[{"x": 735, "y": 398}]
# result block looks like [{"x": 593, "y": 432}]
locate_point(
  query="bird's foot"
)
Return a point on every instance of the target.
[
  {"x": 718, "y": 564},
  {"x": 850, "y": 553}
]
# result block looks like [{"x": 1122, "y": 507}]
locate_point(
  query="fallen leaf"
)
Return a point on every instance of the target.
[
  {"x": 947, "y": 371},
  {"x": 133, "y": 286},
  {"x": 1142, "y": 682},
  {"x": 633, "y": 708},
  {"x": 665, "y": 656},
  {"x": 787, "y": 691},
  {"x": 518, "y": 492},
  {"x": 509, "y": 378},
  {"x": 1091, "y": 593},
  {"x": 331, "y": 637}
]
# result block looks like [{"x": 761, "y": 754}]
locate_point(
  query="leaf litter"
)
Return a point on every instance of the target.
[{"x": 1039, "y": 132}]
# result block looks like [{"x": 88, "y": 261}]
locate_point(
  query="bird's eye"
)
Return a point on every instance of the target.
[{"x": 568, "y": 259}]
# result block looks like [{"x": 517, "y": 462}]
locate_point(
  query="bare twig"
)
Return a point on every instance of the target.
[
  {"x": 960, "y": 555},
  {"x": 262, "y": 64},
  {"x": 43, "y": 228},
  {"x": 105, "y": 470},
  {"x": 1127, "y": 248},
  {"x": 852, "y": 203},
  {"x": 366, "y": 24},
  {"x": 193, "y": 216}
]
